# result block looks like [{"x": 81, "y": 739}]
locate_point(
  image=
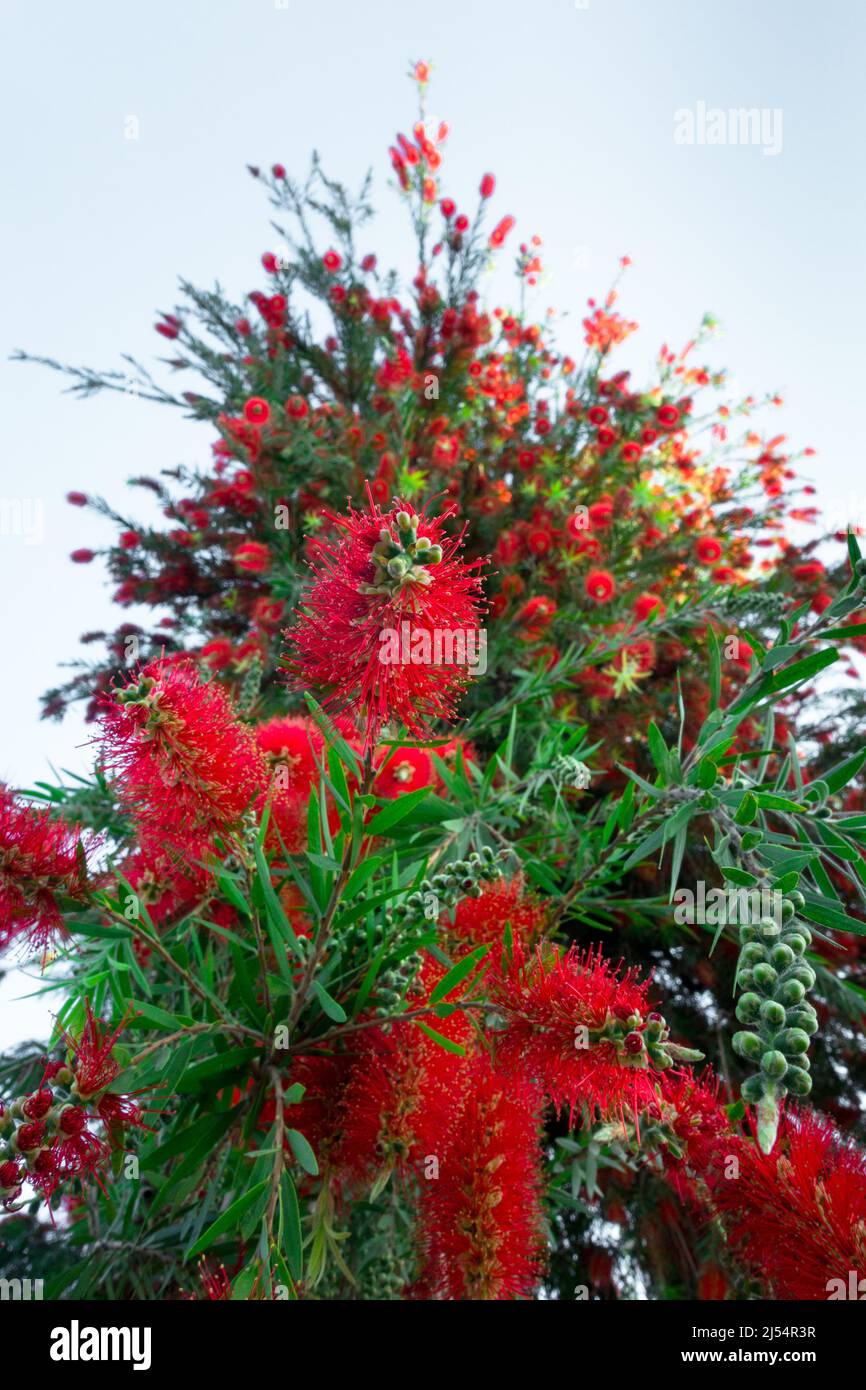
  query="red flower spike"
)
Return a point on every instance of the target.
[
  {"x": 480, "y": 1219},
  {"x": 384, "y": 600},
  {"x": 568, "y": 1018},
  {"x": 41, "y": 859},
  {"x": 186, "y": 769}
]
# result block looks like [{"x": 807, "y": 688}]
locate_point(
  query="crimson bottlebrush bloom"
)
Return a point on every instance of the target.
[
  {"x": 296, "y": 746},
  {"x": 41, "y": 860},
  {"x": 91, "y": 1060},
  {"x": 504, "y": 906},
  {"x": 404, "y": 770},
  {"x": 797, "y": 1216},
  {"x": 578, "y": 1026},
  {"x": 600, "y": 586},
  {"x": 388, "y": 599},
  {"x": 403, "y": 1094},
  {"x": 708, "y": 550},
  {"x": 400, "y": 1101},
  {"x": 186, "y": 769},
  {"x": 480, "y": 1219}
]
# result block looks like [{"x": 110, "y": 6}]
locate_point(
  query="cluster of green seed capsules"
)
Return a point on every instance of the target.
[
  {"x": 465, "y": 878},
  {"x": 778, "y": 1017},
  {"x": 402, "y": 561}
]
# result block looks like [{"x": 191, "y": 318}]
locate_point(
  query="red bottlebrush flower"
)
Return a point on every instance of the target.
[
  {"x": 332, "y": 261},
  {"x": 186, "y": 769},
  {"x": 10, "y": 1177},
  {"x": 30, "y": 1137},
  {"x": 795, "y": 1217},
  {"x": 268, "y": 613},
  {"x": 82, "y": 556},
  {"x": 295, "y": 744},
  {"x": 448, "y": 208},
  {"x": 707, "y": 550},
  {"x": 668, "y": 416},
  {"x": 406, "y": 770},
  {"x": 600, "y": 514},
  {"x": 253, "y": 556},
  {"x": 400, "y": 1101},
  {"x": 506, "y": 905},
  {"x": 77, "y": 499},
  {"x": 600, "y": 586},
  {"x": 278, "y": 171},
  {"x": 488, "y": 184},
  {"x": 257, "y": 411},
  {"x": 812, "y": 569},
  {"x": 92, "y": 1063},
  {"x": 388, "y": 601},
  {"x": 218, "y": 654},
  {"x": 480, "y": 1215},
  {"x": 500, "y": 231},
  {"x": 573, "y": 1022},
  {"x": 535, "y": 616},
  {"x": 41, "y": 860},
  {"x": 648, "y": 606},
  {"x": 723, "y": 574}
]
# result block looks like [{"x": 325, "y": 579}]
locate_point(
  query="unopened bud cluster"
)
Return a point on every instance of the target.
[
  {"x": 643, "y": 1043},
  {"x": 402, "y": 561},
  {"x": 41, "y": 1134},
  {"x": 779, "y": 1019},
  {"x": 465, "y": 878}
]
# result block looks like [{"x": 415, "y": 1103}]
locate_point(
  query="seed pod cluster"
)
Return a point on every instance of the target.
[{"x": 779, "y": 1020}]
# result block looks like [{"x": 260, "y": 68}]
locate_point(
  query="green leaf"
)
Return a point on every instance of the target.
[
  {"x": 303, "y": 1152},
  {"x": 447, "y": 1043},
  {"x": 457, "y": 973},
  {"x": 228, "y": 1220},
  {"x": 715, "y": 668},
  {"x": 330, "y": 1006},
  {"x": 731, "y": 874},
  {"x": 747, "y": 810},
  {"x": 395, "y": 811},
  {"x": 844, "y": 772},
  {"x": 658, "y": 749},
  {"x": 290, "y": 1216}
]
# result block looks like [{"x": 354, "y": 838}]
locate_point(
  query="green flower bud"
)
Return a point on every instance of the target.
[
  {"x": 753, "y": 953},
  {"x": 747, "y": 1007},
  {"x": 788, "y": 910},
  {"x": 745, "y": 979},
  {"x": 793, "y": 1041},
  {"x": 782, "y": 956},
  {"x": 747, "y": 1045},
  {"x": 764, "y": 976},
  {"x": 804, "y": 973},
  {"x": 752, "y": 1089},
  {"x": 790, "y": 992},
  {"x": 772, "y": 1013},
  {"x": 803, "y": 1018},
  {"x": 795, "y": 941},
  {"x": 799, "y": 1082},
  {"x": 797, "y": 898},
  {"x": 774, "y": 1064},
  {"x": 748, "y": 933}
]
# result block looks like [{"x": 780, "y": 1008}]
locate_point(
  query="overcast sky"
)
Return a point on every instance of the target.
[{"x": 579, "y": 109}]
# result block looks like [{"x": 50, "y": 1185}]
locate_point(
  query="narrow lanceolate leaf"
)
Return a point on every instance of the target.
[
  {"x": 457, "y": 974},
  {"x": 230, "y": 1219}
]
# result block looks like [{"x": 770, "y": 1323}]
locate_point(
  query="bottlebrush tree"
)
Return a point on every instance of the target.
[{"x": 466, "y": 655}]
